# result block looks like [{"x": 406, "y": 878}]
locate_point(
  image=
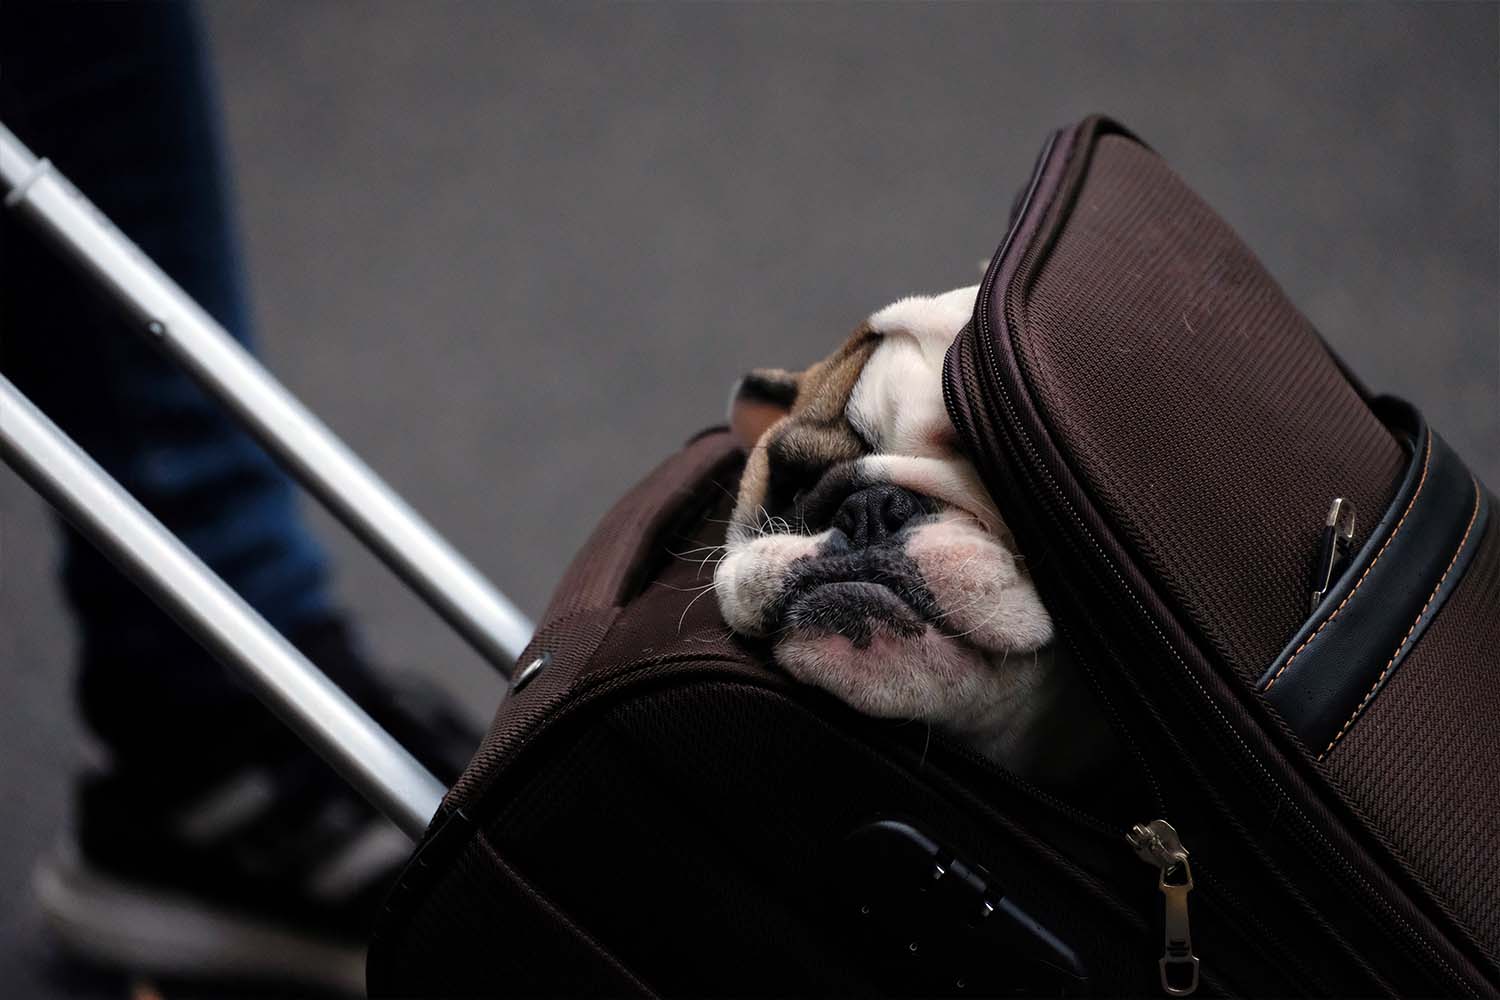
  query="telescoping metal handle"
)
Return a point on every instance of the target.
[
  {"x": 162, "y": 311},
  {"x": 291, "y": 686},
  {"x": 161, "y": 565}
]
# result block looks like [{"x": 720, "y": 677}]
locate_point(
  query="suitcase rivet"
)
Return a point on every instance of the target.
[{"x": 526, "y": 673}]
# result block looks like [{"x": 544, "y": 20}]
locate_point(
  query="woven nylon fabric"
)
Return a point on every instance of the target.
[
  {"x": 1202, "y": 410},
  {"x": 620, "y": 551},
  {"x": 1423, "y": 761},
  {"x": 482, "y": 930},
  {"x": 676, "y": 826},
  {"x": 568, "y": 643},
  {"x": 717, "y": 807},
  {"x": 639, "y": 535}
]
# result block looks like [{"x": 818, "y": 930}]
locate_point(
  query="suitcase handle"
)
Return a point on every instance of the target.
[
  {"x": 114, "y": 521},
  {"x": 164, "y": 313},
  {"x": 151, "y": 556}
]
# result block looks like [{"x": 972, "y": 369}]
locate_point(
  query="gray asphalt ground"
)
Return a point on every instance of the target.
[{"x": 516, "y": 254}]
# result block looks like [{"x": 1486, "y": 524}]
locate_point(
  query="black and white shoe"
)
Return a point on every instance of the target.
[{"x": 266, "y": 870}]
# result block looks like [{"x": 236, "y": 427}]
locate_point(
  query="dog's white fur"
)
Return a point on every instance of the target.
[
  {"x": 983, "y": 671},
  {"x": 897, "y": 405}
]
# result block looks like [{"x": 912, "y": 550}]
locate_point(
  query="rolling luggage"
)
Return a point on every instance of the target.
[{"x": 1287, "y": 593}]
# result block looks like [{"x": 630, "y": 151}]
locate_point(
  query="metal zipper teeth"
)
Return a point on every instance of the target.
[
  {"x": 966, "y": 363},
  {"x": 1050, "y": 499},
  {"x": 1066, "y": 633}
]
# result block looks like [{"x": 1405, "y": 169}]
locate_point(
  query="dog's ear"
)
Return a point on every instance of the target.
[{"x": 758, "y": 400}]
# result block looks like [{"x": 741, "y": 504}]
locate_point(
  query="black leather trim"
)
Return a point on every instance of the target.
[{"x": 1387, "y": 595}]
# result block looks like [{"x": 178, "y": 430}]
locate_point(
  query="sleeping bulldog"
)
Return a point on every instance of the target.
[{"x": 864, "y": 547}]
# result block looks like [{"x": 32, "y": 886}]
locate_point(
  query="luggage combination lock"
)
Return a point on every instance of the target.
[{"x": 939, "y": 924}]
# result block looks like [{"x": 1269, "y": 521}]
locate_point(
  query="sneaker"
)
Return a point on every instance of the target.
[{"x": 269, "y": 869}]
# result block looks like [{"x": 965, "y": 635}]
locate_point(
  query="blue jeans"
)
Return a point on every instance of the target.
[{"x": 120, "y": 98}]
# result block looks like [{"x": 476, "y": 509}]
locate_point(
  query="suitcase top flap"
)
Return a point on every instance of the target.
[
  {"x": 1168, "y": 374},
  {"x": 1178, "y": 454}
]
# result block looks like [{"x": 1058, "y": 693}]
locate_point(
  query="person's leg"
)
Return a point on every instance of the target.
[
  {"x": 120, "y": 98},
  {"x": 210, "y": 832}
]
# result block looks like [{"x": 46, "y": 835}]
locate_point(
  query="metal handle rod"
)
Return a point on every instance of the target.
[
  {"x": 307, "y": 701},
  {"x": 355, "y": 494}
]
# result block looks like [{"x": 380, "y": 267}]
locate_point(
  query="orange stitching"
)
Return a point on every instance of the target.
[
  {"x": 1426, "y": 455},
  {"x": 1430, "y": 597}
]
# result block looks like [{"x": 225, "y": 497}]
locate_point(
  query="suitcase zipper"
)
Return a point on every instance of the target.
[
  {"x": 1157, "y": 844},
  {"x": 1211, "y": 892}
]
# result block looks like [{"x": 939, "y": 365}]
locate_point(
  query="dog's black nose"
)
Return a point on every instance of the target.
[{"x": 871, "y": 515}]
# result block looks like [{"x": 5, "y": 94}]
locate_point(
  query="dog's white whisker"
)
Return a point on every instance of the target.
[
  {"x": 710, "y": 551},
  {"x": 691, "y": 557},
  {"x": 703, "y": 563},
  {"x": 725, "y": 490},
  {"x": 961, "y": 608},
  {"x": 956, "y": 573},
  {"x": 701, "y": 548},
  {"x": 683, "y": 617},
  {"x": 683, "y": 590},
  {"x": 992, "y": 616}
]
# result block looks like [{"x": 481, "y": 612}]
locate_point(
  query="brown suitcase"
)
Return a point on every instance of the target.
[{"x": 657, "y": 809}]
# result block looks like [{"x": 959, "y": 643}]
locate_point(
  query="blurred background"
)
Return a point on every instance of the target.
[{"x": 515, "y": 255}]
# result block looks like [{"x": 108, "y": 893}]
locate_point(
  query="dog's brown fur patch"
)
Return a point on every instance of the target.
[{"x": 814, "y": 435}]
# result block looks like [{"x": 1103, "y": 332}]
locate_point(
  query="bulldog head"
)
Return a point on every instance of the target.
[{"x": 863, "y": 545}]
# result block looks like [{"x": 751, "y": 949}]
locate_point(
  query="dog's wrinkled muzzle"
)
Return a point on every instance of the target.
[
  {"x": 852, "y": 591},
  {"x": 860, "y": 579}
]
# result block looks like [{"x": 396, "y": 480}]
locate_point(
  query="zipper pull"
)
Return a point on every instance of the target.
[
  {"x": 1338, "y": 535},
  {"x": 1158, "y": 844}
]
